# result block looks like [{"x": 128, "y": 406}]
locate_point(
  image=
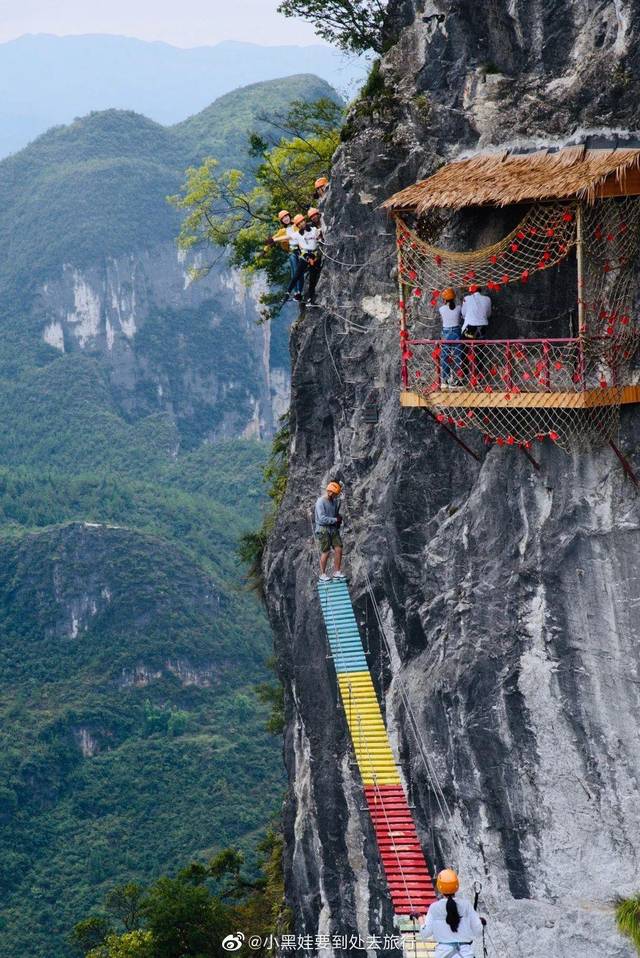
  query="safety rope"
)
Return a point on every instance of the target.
[
  {"x": 434, "y": 781},
  {"x": 372, "y": 261},
  {"x": 477, "y": 888}
]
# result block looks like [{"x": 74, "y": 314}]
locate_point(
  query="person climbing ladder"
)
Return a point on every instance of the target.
[
  {"x": 451, "y": 921},
  {"x": 327, "y": 530}
]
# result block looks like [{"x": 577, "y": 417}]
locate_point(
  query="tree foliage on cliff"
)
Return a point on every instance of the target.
[
  {"x": 352, "y": 25},
  {"x": 188, "y": 916},
  {"x": 229, "y": 210}
]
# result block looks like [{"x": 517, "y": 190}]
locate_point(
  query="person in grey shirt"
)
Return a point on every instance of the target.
[{"x": 327, "y": 522}]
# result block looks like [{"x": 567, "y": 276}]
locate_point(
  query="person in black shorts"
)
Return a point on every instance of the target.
[{"x": 327, "y": 522}]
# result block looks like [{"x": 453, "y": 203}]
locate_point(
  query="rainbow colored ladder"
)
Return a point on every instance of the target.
[{"x": 402, "y": 857}]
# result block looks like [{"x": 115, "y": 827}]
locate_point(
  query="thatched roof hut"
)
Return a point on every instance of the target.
[{"x": 507, "y": 178}]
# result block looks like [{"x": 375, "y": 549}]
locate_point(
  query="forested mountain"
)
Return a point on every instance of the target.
[
  {"x": 47, "y": 80},
  {"x": 90, "y": 268},
  {"x": 133, "y": 403}
]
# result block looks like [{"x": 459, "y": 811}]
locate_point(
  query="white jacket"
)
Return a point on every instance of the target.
[
  {"x": 436, "y": 927},
  {"x": 476, "y": 310},
  {"x": 309, "y": 239}
]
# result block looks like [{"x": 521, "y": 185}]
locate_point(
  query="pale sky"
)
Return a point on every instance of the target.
[{"x": 183, "y": 23}]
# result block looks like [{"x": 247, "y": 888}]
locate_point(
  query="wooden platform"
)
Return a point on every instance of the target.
[{"x": 472, "y": 399}]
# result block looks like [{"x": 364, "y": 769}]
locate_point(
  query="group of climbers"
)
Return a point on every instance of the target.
[
  {"x": 300, "y": 237},
  {"x": 465, "y": 321}
]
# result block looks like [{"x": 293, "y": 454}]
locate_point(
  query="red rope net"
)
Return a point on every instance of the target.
[{"x": 520, "y": 391}]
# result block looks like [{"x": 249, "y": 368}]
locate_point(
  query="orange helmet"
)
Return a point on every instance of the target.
[
  {"x": 447, "y": 882},
  {"x": 283, "y": 215},
  {"x": 335, "y": 488},
  {"x": 474, "y": 288},
  {"x": 298, "y": 220},
  {"x": 313, "y": 212},
  {"x": 448, "y": 294},
  {"x": 321, "y": 182}
]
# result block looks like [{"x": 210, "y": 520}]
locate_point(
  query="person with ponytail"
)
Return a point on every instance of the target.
[{"x": 451, "y": 921}]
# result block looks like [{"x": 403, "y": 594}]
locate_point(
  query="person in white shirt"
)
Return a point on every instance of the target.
[
  {"x": 452, "y": 921},
  {"x": 451, "y": 356},
  {"x": 288, "y": 237},
  {"x": 310, "y": 257},
  {"x": 476, "y": 310}
]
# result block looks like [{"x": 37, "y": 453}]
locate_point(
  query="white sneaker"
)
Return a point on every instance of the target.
[
  {"x": 339, "y": 575},
  {"x": 324, "y": 577}
]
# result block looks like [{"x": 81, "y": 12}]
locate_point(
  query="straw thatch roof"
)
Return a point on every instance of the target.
[{"x": 502, "y": 179}]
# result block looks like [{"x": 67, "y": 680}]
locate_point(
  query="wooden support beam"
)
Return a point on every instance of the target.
[
  {"x": 470, "y": 399},
  {"x": 454, "y": 436},
  {"x": 626, "y": 465}
]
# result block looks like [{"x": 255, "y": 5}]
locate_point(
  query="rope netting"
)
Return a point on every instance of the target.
[
  {"x": 542, "y": 240},
  {"x": 522, "y": 390},
  {"x": 517, "y": 391}
]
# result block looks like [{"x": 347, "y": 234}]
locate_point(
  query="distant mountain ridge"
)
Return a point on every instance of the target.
[{"x": 47, "y": 80}]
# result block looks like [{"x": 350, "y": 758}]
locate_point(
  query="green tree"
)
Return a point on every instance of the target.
[
  {"x": 89, "y": 933},
  {"x": 185, "y": 920},
  {"x": 628, "y": 918},
  {"x": 124, "y": 902},
  {"x": 133, "y": 944},
  {"x": 353, "y": 25}
]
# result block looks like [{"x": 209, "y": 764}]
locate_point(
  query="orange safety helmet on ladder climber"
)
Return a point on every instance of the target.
[
  {"x": 447, "y": 882},
  {"x": 448, "y": 294},
  {"x": 335, "y": 488},
  {"x": 321, "y": 182}
]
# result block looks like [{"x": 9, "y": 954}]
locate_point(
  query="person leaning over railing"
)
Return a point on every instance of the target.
[{"x": 475, "y": 311}]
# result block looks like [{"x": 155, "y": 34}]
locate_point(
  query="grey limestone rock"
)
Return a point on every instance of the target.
[{"x": 509, "y": 597}]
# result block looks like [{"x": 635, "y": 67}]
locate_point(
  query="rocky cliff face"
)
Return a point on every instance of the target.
[
  {"x": 508, "y": 596},
  {"x": 169, "y": 344}
]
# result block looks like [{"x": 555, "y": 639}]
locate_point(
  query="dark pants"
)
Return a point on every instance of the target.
[
  {"x": 451, "y": 355},
  {"x": 304, "y": 267},
  {"x": 294, "y": 261},
  {"x": 474, "y": 358}
]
